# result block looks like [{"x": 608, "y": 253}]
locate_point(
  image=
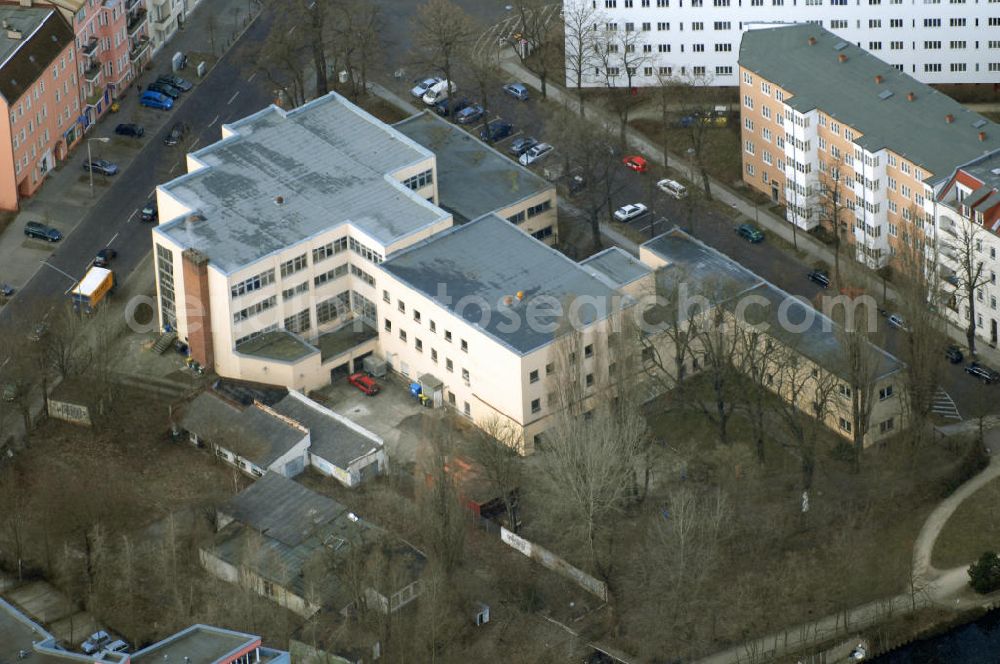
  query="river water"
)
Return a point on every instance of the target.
[{"x": 974, "y": 643}]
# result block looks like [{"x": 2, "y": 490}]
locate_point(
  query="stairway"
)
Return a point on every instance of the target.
[{"x": 164, "y": 342}]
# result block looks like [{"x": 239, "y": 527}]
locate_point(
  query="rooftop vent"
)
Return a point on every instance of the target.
[
  {"x": 995, "y": 171},
  {"x": 840, "y": 46},
  {"x": 982, "y": 136},
  {"x": 195, "y": 217},
  {"x": 279, "y": 200},
  {"x": 842, "y": 58},
  {"x": 885, "y": 94},
  {"x": 812, "y": 41},
  {"x": 949, "y": 118},
  {"x": 979, "y": 124},
  {"x": 878, "y": 79},
  {"x": 520, "y": 295},
  {"x": 353, "y": 517},
  {"x": 910, "y": 96},
  {"x": 14, "y": 34}
]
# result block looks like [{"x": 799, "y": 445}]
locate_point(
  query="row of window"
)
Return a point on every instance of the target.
[
  {"x": 420, "y": 180},
  {"x": 418, "y": 345},
  {"x": 418, "y": 318}
]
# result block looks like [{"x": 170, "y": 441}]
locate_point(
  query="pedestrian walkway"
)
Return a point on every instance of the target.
[{"x": 809, "y": 246}]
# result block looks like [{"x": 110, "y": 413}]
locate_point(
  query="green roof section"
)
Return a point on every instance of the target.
[
  {"x": 805, "y": 60},
  {"x": 279, "y": 345}
]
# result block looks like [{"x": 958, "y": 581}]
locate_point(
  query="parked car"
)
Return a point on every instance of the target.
[
  {"x": 439, "y": 92},
  {"x": 577, "y": 183},
  {"x": 896, "y": 321},
  {"x": 95, "y": 642},
  {"x": 40, "y": 231},
  {"x": 521, "y": 144},
  {"x": 517, "y": 90},
  {"x": 954, "y": 354},
  {"x": 983, "y": 373},
  {"x": 496, "y": 131},
  {"x": 149, "y": 212},
  {"x": 636, "y": 163},
  {"x": 152, "y": 99},
  {"x": 176, "y": 134},
  {"x": 117, "y": 646},
  {"x": 750, "y": 233},
  {"x": 181, "y": 84},
  {"x": 164, "y": 89},
  {"x": 820, "y": 278},
  {"x": 444, "y": 108},
  {"x": 627, "y": 213},
  {"x": 420, "y": 89},
  {"x": 129, "y": 129},
  {"x": 102, "y": 166},
  {"x": 364, "y": 382},
  {"x": 672, "y": 188},
  {"x": 6, "y": 290},
  {"x": 535, "y": 154},
  {"x": 104, "y": 257},
  {"x": 470, "y": 114},
  {"x": 9, "y": 392}
]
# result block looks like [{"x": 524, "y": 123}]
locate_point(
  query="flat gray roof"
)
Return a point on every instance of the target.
[
  {"x": 330, "y": 438},
  {"x": 723, "y": 282},
  {"x": 473, "y": 178},
  {"x": 617, "y": 265},
  {"x": 472, "y": 269},
  {"x": 200, "y": 643},
  {"x": 329, "y": 164},
  {"x": 251, "y": 432},
  {"x": 847, "y": 91},
  {"x": 282, "y": 509}
]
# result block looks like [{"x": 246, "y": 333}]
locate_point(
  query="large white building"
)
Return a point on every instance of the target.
[{"x": 931, "y": 40}]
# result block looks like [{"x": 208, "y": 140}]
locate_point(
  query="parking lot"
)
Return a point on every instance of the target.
[{"x": 392, "y": 414}]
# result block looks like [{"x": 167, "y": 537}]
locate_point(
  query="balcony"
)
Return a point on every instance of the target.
[
  {"x": 139, "y": 47},
  {"x": 95, "y": 99},
  {"x": 132, "y": 4},
  {"x": 90, "y": 47},
  {"x": 161, "y": 22},
  {"x": 93, "y": 72},
  {"x": 136, "y": 21}
]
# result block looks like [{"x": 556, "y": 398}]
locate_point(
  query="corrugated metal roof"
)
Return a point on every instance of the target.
[{"x": 330, "y": 438}]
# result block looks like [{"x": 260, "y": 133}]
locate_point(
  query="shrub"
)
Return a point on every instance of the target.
[{"x": 984, "y": 574}]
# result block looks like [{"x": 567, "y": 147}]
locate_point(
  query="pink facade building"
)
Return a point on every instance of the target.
[{"x": 40, "y": 94}]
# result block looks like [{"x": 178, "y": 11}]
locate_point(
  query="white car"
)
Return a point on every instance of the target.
[
  {"x": 672, "y": 188},
  {"x": 536, "y": 153},
  {"x": 896, "y": 321},
  {"x": 438, "y": 92},
  {"x": 421, "y": 88},
  {"x": 627, "y": 213}
]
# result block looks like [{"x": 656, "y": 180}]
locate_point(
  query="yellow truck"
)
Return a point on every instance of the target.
[{"x": 92, "y": 289}]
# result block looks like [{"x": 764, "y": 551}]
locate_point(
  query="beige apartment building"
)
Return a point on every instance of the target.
[
  {"x": 40, "y": 94},
  {"x": 823, "y": 120}
]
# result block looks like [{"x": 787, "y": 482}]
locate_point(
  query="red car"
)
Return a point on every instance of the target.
[
  {"x": 635, "y": 163},
  {"x": 364, "y": 382}
]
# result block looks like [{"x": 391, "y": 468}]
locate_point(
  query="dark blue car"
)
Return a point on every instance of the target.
[
  {"x": 496, "y": 131},
  {"x": 443, "y": 108}
]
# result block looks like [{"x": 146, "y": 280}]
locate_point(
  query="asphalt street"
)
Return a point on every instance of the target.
[{"x": 230, "y": 91}]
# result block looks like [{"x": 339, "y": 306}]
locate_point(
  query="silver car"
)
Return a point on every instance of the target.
[{"x": 421, "y": 88}]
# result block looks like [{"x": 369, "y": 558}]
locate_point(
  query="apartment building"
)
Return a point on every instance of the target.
[
  {"x": 933, "y": 41},
  {"x": 106, "y": 33},
  {"x": 40, "y": 93},
  {"x": 824, "y": 120},
  {"x": 966, "y": 213},
  {"x": 166, "y": 17}
]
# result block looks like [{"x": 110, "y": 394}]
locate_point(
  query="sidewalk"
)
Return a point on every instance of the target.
[
  {"x": 813, "y": 249},
  {"x": 65, "y": 198}
]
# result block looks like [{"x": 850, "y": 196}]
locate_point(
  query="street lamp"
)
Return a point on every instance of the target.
[
  {"x": 90, "y": 161},
  {"x": 690, "y": 155}
]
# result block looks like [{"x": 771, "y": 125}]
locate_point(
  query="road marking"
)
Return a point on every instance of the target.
[
  {"x": 233, "y": 98},
  {"x": 250, "y": 80},
  {"x": 173, "y": 168},
  {"x": 291, "y": 29},
  {"x": 113, "y": 238},
  {"x": 45, "y": 317},
  {"x": 132, "y": 216},
  {"x": 213, "y": 121},
  {"x": 192, "y": 146}
]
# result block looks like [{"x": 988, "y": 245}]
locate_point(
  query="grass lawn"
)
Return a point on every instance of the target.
[
  {"x": 972, "y": 529},
  {"x": 721, "y": 151}
]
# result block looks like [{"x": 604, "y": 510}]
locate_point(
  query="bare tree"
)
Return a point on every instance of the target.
[
  {"x": 692, "y": 93},
  {"x": 367, "y": 27},
  {"x": 620, "y": 55},
  {"x": 759, "y": 359},
  {"x": 832, "y": 204},
  {"x": 667, "y": 338},
  {"x": 860, "y": 365},
  {"x": 313, "y": 16},
  {"x": 718, "y": 348},
  {"x": 443, "y": 34},
  {"x": 439, "y": 499},
  {"x": 20, "y": 381},
  {"x": 540, "y": 52},
  {"x": 580, "y": 38},
  {"x": 283, "y": 60},
  {"x": 917, "y": 292},
  {"x": 964, "y": 250},
  {"x": 495, "y": 450},
  {"x": 65, "y": 345}
]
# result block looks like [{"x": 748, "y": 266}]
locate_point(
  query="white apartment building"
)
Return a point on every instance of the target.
[
  {"x": 931, "y": 40},
  {"x": 966, "y": 209},
  {"x": 818, "y": 113},
  {"x": 166, "y": 17}
]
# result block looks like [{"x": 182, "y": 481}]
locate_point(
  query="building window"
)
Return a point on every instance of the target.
[
  {"x": 331, "y": 308},
  {"x": 550, "y": 368},
  {"x": 465, "y": 346},
  {"x": 845, "y": 425},
  {"x": 298, "y": 323},
  {"x": 589, "y": 380},
  {"x": 449, "y": 365},
  {"x": 467, "y": 409},
  {"x": 401, "y": 306},
  {"x": 296, "y": 264},
  {"x": 252, "y": 284},
  {"x": 402, "y": 335},
  {"x": 418, "y": 344},
  {"x": 887, "y": 426},
  {"x": 885, "y": 393},
  {"x": 329, "y": 249},
  {"x": 588, "y": 350},
  {"x": 289, "y": 293},
  {"x": 465, "y": 376},
  {"x": 254, "y": 309},
  {"x": 387, "y": 326},
  {"x": 434, "y": 356},
  {"x": 419, "y": 181},
  {"x": 533, "y": 376}
]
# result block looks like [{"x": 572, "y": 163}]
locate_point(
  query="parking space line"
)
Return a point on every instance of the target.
[
  {"x": 213, "y": 121},
  {"x": 113, "y": 238},
  {"x": 252, "y": 76},
  {"x": 132, "y": 216},
  {"x": 173, "y": 168},
  {"x": 193, "y": 145},
  {"x": 233, "y": 98}
]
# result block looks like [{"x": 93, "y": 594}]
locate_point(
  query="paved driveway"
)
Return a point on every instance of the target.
[{"x": 392, "y": 414}]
